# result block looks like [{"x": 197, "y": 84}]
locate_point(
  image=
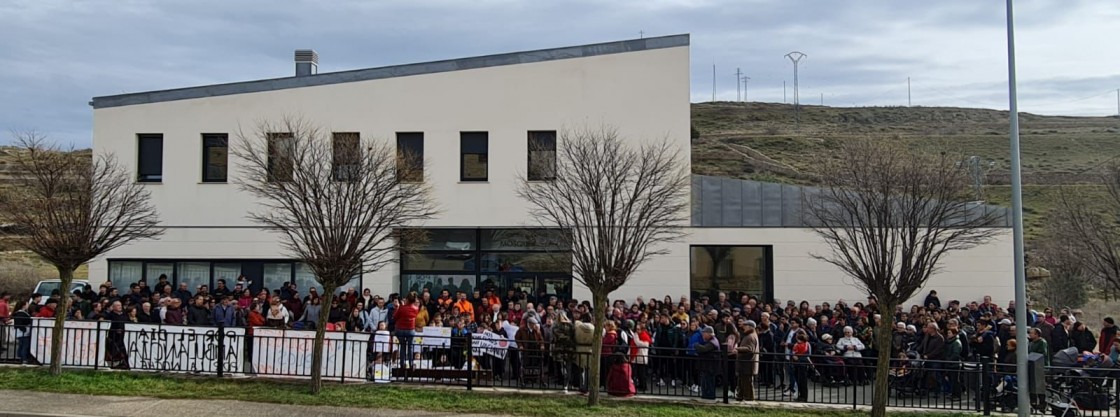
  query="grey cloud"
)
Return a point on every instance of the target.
[{"x": 61, "y": 53}]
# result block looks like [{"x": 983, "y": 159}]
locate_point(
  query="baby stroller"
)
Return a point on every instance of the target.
[
  {"x": 1078, "y": 383},
  {"x": 907, "y": 376}
]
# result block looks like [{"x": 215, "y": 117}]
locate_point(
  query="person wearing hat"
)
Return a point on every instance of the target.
[
  {"x": 47, "y": 311},
  {"x": 747, "y": 360},
  {"x": 1108, "y": 333},
  {"x": 530, "y": 342},
  {"x": 707, "y": 354}
]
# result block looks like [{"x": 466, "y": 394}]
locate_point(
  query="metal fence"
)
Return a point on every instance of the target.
[{"x": 482, "y": 360}]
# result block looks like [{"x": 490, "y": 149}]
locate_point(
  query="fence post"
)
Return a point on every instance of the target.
[
  {"x": 726, "y": 375},
  {"x": 97, "y": 354},
  {"x": 345, "y": 348},
  {"x": 470, "y": 361},
  {"x": 221, "y": 350},
  {"x": 985, "y": 385},
  {"x": 855, "y": 385}
]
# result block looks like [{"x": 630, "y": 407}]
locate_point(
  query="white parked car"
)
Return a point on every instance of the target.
[{"x": 45, "y": 287}]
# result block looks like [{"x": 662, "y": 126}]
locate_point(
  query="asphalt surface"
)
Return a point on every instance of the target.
[{"x": 29, "y": 403}]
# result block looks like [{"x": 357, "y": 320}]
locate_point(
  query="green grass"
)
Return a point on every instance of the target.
[{"x": 370, "y": 396}]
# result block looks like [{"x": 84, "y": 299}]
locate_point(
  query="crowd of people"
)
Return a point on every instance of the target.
[{"x": 695, "y": 344}]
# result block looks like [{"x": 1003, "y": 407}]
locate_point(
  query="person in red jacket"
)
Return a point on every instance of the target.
[
  {"x": 47, "y": 311},
  {"x": 404, "y": 321}
]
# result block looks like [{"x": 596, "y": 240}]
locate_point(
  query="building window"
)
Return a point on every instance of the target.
[
  {"x": 276, "y": 274},
  {"x": 734, "y": 270},
  {"x": 534, "y": 261},
  {"x": 410, "y": 156},
  {"x": 542, "y": 155},
  {"x": 280, "y": 158},
  {"x": 124, "y": 273},
  {"x": 149, "y": 149},
  {"x": 194, "y": 274},
  {"x": 473, "y": 154},
  {"x": 346, "y": 156},
  {"x": 215, "y": 154}
]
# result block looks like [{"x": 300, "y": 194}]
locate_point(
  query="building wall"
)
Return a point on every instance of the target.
[
  {"x": 644, "y": 94},
  {"x": 965, "y": 276}
]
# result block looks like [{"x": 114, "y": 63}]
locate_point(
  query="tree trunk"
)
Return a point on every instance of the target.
[
  {"x": 66, "y": 275},
  {"x": 883, "y": 332},
  {"x": 320, "y": 334},
  {"x": 598, "y": 302}
]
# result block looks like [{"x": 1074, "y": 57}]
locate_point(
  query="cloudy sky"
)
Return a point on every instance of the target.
[{"x": 57, "y": 54}]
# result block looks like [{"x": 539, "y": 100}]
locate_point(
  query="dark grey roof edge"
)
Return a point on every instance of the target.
[{"x": 581, "y": 51}]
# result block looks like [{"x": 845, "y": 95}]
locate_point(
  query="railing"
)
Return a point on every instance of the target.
[{"x": 487, "y": 360}]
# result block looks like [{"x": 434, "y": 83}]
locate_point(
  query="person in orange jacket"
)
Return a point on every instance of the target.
[{"x": 465, "y": 306}]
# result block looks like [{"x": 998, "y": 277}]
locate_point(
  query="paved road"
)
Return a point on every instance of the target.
[{"x": 28, "y": 403}]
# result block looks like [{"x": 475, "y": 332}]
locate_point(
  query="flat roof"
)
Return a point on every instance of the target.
[{"x": 514, "y": 58}]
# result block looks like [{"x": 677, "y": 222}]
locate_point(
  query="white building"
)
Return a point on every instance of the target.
[{"x": 472, "y": 120}]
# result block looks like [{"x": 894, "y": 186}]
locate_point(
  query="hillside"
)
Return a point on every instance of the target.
[{"x": 760, "y": 141}]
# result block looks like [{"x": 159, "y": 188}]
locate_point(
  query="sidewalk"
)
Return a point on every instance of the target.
[{"x": 31, "y": 403}]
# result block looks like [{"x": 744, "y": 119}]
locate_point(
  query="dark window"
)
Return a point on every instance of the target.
[
  {"x": 410, "y": 156},
  {"x": 533, "y": 261},
  {"x": 280, "y": 147},
  {"x": 735, "y": 270},
  {"x": 347, "y": 156},
  {"x": 149, "y": 164},
  {"x": 542, "y": 155},
  {"x": 473, "y": 154},
  {"x": 215, "y": 157}
]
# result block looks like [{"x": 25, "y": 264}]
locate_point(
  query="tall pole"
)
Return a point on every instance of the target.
[
  {"x": 1118, "y": 102},
  {"x": 822, "y": 99},
  {"x": 738, "y": 86},
  {"x": 1024, "y": 407},
  {"x": 909, "y": 103},
  {"x": 746, "y": 89},
  {"x": 784, "y": 92},
  {"x": 796, "y": 57},
  {"x": 713, "y": 83}
]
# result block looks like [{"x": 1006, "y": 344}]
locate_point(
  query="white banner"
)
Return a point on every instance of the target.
[
  {"x": 383, "y": 342},
  {"x": 183, "y": 348},
  {"x": 287, "y": 353},
  {"x": 490, "y": 343},
  {"x": 434, "y": 337},
  {"x": 81, "y": 342}
]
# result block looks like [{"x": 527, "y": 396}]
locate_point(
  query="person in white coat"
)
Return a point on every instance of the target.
[{"x": 851, "y": 346}]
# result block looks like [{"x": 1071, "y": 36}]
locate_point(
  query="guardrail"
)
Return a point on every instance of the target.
[{"x": 440, "y": 357}]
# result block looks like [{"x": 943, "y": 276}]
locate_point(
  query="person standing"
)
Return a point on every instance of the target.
[
  {"x": 801, "y": 363},
  {"x": 707, "y": 352},
  {"x": 748, "y": 352},
  {"x": 115, "y": 353},
  {"x": 1108, "y": 333},
  {"x": 223, "y": 313},
  {"x": 404, "y": 323},
  {"x": 5, "y": 319},
  {"x": 21, "y": 320}
]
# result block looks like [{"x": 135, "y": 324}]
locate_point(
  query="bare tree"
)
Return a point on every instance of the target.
[
  {"x": 1090, "y": 225},
  {"x": 342, "y": 204},
  {"x": 888, "y": 216},
  {"x": 69, "y": 207},
  {"x": 619, "y": 203},
  {"x": 1066, "y": 285}
]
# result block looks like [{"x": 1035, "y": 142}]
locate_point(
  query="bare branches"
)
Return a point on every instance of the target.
[
  {"x": 889, "y": 215},
  {"x": 1091, "y": 228},
  {"x": 338, "y": 199},
  {"x": 1066, "y": 285},
  {"x": 619, "y": 202},
  {"x": 70, "y": 208}
]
